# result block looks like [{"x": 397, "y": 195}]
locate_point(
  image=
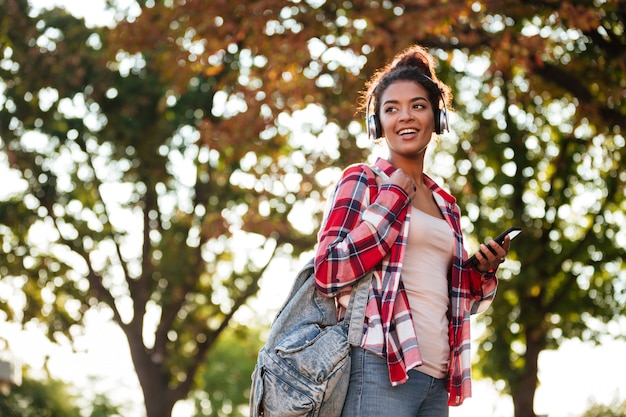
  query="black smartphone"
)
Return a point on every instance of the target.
[{"x": 511, "y": 231}]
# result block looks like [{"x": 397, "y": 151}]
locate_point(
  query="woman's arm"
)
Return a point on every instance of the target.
[{"x": 356, "y": 235}]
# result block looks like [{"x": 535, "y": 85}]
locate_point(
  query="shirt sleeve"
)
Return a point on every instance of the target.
[
  {"x": 357, "y": 234},
  {"x": 482, "y": 288}
]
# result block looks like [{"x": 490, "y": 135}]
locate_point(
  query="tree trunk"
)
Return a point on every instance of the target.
[
  {"x": 159, "y": 399},
  {"x": 524, "y": 388}
]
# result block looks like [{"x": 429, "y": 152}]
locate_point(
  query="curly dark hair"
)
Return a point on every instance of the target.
[{"x": 413, "y": 64}]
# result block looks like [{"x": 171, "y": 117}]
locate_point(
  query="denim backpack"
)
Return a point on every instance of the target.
[{"x": 304, "y": 367}]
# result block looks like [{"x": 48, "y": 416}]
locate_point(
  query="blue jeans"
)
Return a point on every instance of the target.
[{"x": 370, "y": 393}]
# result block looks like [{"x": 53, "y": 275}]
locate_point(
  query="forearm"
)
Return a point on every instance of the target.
[{"x": 352, "y": 244}]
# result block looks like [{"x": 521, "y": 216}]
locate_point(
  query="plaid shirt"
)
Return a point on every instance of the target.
[{"x": 365, "y": 230}]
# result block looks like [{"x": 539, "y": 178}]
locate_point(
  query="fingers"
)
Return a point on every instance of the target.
[
  {"x": 492, "y": 254},
  {"x": 401, "y": 179},
  {"x": 506, "y": 244}
]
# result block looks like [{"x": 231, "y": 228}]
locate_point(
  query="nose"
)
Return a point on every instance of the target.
[{"x": 405, "y": 114}]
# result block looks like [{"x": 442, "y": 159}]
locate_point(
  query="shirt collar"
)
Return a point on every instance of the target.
[{"x": 389, "y": 169}]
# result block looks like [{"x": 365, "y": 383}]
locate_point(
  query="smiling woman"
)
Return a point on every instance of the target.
[{"x": 391, "y": 224}]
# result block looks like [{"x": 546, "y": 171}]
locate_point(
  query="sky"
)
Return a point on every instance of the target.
[{"x": 570, "y": 378}]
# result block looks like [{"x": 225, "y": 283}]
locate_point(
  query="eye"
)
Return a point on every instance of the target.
[{"x": 419, "y": 106}]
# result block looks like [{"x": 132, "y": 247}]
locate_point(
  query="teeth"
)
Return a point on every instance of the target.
[{"x": 405, "y": 131}]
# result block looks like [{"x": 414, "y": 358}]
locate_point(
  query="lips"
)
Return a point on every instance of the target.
[{"x": 407, "y": 131}]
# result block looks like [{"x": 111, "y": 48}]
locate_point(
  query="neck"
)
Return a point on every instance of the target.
[{"x": 413, "y": 167}]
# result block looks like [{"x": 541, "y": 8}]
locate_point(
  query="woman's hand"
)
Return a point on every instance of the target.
[
  {"x": 402, "y": 180},
  {"x": 491, "y": 255}
]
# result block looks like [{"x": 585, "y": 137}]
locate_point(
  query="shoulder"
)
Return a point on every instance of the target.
[
  {"x": 360, "y": 172},
  {"x": 355, "y": 182},
  {"x": 357, "y": 169}
]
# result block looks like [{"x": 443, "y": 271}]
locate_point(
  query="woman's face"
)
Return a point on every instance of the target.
[{"x": 406, "y": 117}]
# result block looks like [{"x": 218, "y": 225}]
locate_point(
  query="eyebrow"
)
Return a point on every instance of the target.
[{"x": 413, "y": 100}]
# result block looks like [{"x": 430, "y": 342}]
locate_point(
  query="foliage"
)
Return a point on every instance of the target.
[
  {"x": 50, "y": 398},
  {"x": 225, "y": 380},
  {"x": 615, "y": 409},
  {"x": 35, "y": 398},
  {"x": 546, "y": 153},
  {"x": 141, "y": 196},
  {"x": 156, "y": 167}
]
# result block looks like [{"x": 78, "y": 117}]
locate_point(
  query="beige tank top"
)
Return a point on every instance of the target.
[{"x": 430, "y": 248}]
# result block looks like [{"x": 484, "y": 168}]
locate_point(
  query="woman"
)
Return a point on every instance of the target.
[{"x": 393, "y": 224}]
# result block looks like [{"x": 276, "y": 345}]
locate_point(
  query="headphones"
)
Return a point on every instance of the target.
[{"x": 375, "y": 130}]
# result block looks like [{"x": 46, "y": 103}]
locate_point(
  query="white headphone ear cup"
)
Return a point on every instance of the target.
[
  {"x": 443, "y": 122},
  {"x": 443, "y": 115},
  {"x": 374, "y": 130}
]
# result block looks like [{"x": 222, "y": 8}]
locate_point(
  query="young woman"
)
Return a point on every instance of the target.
[{"x": 393, "y": 225}]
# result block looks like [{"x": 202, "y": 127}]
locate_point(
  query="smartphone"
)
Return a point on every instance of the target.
[{"x": 511, "y": 231}]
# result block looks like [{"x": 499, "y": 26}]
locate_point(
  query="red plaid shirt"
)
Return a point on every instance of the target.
[{"x": 365, "y": 230}]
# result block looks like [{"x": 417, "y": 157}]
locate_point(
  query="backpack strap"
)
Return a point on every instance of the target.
[
  {"x": 379, "y": 172},
  {"x": 355, "y": 312}
]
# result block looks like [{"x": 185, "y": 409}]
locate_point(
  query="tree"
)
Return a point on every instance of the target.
[
  {"x": 159, "y": 198},
  {"x": 185, "y": 147},
  {"x": 546, "y": 154}
]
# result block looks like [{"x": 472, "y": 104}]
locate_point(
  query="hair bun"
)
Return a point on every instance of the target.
[{"x": 414, "y": 58}]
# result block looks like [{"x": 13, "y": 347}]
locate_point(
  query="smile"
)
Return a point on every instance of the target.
[{"x": 407, "y": 131}]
